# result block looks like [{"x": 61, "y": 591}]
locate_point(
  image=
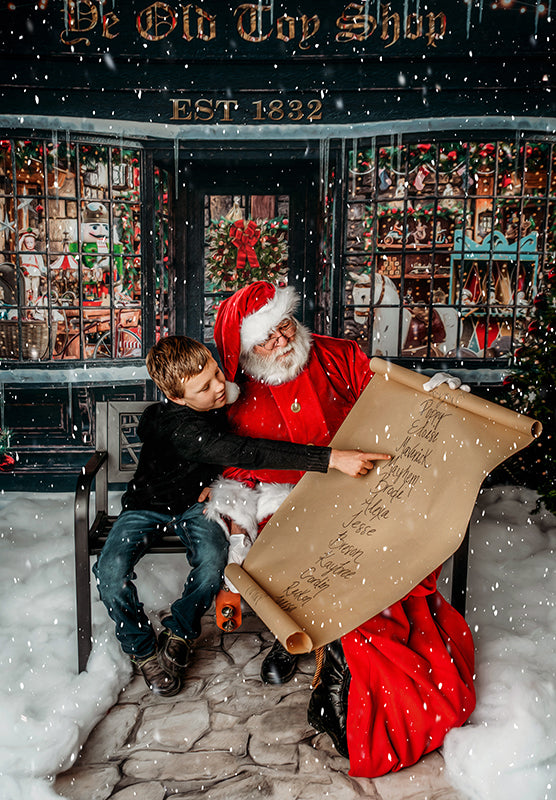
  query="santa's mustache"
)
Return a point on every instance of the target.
[{"x": 282, "y": 351}]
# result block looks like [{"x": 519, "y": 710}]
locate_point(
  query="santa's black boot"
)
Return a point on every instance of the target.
[
  {"x": 279, "y": 666},
  {"x": 327, "y": 711}
]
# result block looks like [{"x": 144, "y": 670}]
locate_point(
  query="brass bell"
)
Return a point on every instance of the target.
[
  {"x": 228, "y": 625},
  {"x": 227, "y": 611}
]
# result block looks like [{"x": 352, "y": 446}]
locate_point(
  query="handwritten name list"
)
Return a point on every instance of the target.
[
  {"x": 399, "y": 477},
  {"x": 340, "y": 550}
]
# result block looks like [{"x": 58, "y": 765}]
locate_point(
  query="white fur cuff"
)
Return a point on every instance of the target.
[
  {"x": 236, "y": 501},
  {"x": 270, "y": 498},
  {"x": 239, "y": 547}
]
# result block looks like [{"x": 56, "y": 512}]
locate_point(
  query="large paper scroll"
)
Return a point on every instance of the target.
[{"x": 340, "y": 550}]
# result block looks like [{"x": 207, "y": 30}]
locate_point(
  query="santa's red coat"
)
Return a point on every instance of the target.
[
  {"x": 324, "y": 393},
  {"x": 411, "y": 665},
  {"x": 411, "y": 681}
]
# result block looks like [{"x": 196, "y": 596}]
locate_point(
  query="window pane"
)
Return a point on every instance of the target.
[
  {"x": 61, "y": 165},
  {"x": 442, "y": 253},
  {"x": 93, "y": 164},
  {"x": 70, "y": 242}
]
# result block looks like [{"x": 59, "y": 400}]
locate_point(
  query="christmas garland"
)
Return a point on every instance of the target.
[
  {"x": 240, "y": 252},
  {"x": 482, "y": 157},
  {"x": 419, "y": 212}
]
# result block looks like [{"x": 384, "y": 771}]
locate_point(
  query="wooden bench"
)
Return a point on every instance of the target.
[{"x": 113, "y": 464}]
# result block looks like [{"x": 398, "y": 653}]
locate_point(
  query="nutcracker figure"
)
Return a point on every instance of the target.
[{"x": 96, "y": 251}]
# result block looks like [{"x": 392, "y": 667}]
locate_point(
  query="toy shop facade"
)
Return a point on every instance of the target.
[{"x": 367, "y": 172}]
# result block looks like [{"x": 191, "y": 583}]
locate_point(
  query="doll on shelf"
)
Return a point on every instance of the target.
[
  {"x": 513, "y": 229},
  {"x": 419, "y": 234},
  {"x": 32, "y": 266},
  {"x": 395, "y": 234}
]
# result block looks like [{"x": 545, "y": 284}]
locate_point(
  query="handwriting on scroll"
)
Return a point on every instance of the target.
[{"x": 398, "y": 478}]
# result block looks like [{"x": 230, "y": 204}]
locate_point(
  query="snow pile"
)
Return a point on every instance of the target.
[
  {"x": 47, "y": 710},
  {"x": 507, "y": 752}
]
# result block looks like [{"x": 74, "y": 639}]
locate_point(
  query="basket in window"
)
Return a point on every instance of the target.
[{"x": 35, "y": 336}]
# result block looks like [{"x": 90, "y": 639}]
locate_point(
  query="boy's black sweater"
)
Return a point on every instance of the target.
[{"x": 184, "y": 450}]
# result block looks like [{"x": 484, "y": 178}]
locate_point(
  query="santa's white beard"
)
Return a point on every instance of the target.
[{"x": 276, "y": 368}]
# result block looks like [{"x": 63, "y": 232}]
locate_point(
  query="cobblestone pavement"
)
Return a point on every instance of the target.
[{"x": 227, "y": 736}]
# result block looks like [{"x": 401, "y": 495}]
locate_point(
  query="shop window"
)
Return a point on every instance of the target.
[
  {"x": 445, "y": 245},
  {"x": 70, "y": 247}
]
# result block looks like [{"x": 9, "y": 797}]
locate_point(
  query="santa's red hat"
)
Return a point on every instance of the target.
[{"x": 247, "y": 318}]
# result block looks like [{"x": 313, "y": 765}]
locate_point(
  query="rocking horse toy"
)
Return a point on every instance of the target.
[{"x": 386, "y": 320}]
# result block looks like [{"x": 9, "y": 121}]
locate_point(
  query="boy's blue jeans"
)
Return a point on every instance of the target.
[{"x": 130, "y": 538}]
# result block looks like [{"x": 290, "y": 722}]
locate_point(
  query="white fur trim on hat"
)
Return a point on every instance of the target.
[
  {"x": 256, "y": 327},
  {"x": 232, "y": 392},
  {"x": 270, "y": 498},
  {"x": 234, "y": 500}
]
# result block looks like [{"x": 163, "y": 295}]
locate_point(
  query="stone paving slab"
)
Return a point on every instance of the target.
[{"x": 227, "y": 736}]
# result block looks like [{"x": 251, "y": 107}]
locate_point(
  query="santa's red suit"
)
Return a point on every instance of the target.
[{"x": 412, "y": 665}]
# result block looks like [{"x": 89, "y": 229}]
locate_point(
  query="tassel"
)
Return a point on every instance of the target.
[{"x": 319, "y": 657}]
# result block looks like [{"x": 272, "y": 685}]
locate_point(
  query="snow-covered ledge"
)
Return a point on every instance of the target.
[
  {"x": 84, "y": 374},
  {"x": 153, "y": 129}
]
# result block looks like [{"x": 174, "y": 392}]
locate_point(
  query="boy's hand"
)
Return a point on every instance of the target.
[
  {"x": 205, "y": 495},
  {"x": 354, "y": 462}
]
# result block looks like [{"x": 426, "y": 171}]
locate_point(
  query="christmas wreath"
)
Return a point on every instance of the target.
[{"x": 240, "y": 252}]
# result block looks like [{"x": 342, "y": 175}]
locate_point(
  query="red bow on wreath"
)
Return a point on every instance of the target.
[{"x": 245, "y": 239}]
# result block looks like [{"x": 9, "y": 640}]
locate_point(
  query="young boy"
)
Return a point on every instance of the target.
[{"x": 185, "y": 444}]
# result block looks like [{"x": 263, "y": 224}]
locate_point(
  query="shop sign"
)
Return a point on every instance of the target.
[
  {"x": 277, "y": 109},
  {"x": 210, "y": 29},
  {"x": 253, "y": 23}
]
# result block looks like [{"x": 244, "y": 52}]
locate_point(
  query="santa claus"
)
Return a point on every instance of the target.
[{"x": 391, "y": 689}]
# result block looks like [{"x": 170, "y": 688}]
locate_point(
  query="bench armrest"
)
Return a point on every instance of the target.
[
  {"x": 83, "y": 494},
  {"x": 82, "y": 567}
]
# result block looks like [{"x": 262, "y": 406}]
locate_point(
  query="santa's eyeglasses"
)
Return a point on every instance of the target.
[{"x": 285, "y": 329}]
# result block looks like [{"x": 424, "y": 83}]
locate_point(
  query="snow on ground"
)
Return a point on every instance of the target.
[{"x": 507, "y": 752}]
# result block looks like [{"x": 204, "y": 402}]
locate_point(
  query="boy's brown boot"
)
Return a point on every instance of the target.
[
  {"x": 156, "y": 677},
  {"x": 174, "y": 652}
]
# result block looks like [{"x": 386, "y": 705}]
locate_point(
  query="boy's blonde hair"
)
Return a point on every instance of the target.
[{"x": 175, "y": 359}]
